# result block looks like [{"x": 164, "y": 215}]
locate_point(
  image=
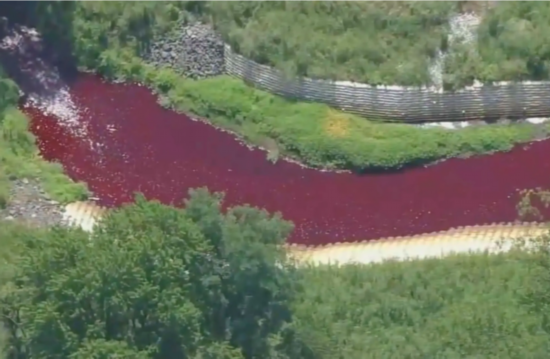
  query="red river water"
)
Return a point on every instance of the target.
[{"x": 140, "y": 147}]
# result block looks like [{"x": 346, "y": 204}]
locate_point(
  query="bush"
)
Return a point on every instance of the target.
[
  {"x": 459, "y": 307},
  {"x": 390, "y": 43},
  {"x": 511, "y": 46},
  {"x": 368, "y": 42},
  {"x": 97, "y": 26}
]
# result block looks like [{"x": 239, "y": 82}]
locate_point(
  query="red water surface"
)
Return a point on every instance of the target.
[{"x": 142, "y": 147}]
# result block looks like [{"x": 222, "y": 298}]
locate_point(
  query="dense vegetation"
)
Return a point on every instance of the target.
[
  {"x": 388, "y": 42},
  {"x": 368, "y": 42},
  {"x": 358, "y": 41},
  {"x": 159, "y": 282},
  {"x": 153, "y": 282},
  {"x": 511, "y": 46}
]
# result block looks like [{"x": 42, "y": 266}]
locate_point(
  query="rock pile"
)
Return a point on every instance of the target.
[
  {"x": 29, "y": 203},
  {"x": 196, "y": 51}
]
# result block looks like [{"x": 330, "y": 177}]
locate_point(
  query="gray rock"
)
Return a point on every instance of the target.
[
  {"x": 195, "y": 51},
  {"x": 29, "y": 203}
]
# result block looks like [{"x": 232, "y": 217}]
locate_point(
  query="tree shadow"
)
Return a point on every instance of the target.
[{"x": 40, "y": 63}]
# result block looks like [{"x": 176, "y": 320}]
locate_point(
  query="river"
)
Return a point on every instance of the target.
[{"x": 131, "y": 144}]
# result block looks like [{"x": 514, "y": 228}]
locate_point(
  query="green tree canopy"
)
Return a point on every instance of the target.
[{"x": 154, "y": 281}]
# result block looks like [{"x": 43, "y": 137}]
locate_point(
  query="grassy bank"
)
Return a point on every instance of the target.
[
  {"x": 312, "y": 133},
  {"x": 19, "y": 156}
]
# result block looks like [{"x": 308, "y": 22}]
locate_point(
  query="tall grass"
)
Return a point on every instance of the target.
[
  {"x": 465, "y": 306},
  {"x": 512, "y": 46},
  {"x": 369, "y": 42}
]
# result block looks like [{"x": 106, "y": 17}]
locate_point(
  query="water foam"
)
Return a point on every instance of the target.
[{"x": 41, "y": 82}]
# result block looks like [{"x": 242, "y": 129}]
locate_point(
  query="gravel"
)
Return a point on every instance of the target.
[
  {"x": 194, "y": 50},
  {"x": 30, "y": 204}
]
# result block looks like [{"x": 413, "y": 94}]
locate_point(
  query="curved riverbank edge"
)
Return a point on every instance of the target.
[
  {"x": 32, "y": 189},
  {"x": 313, "y": 134},
  {"x": 491, "y": 238}
]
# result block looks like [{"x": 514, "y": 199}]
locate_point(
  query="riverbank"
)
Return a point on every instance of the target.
[
  {"x": 311, "y": 133},
  {"x": 20, "y": 160},
  {"x": 24, "y": 175},
  {"x": 31, "y": 189}
]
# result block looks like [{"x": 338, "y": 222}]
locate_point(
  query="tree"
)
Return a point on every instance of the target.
[{"x": 156, "y": 282}]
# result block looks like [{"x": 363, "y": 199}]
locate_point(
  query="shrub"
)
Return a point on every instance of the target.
[
  {"x": 369, "y": 42},
  {"x": 511, "y": 46}
]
